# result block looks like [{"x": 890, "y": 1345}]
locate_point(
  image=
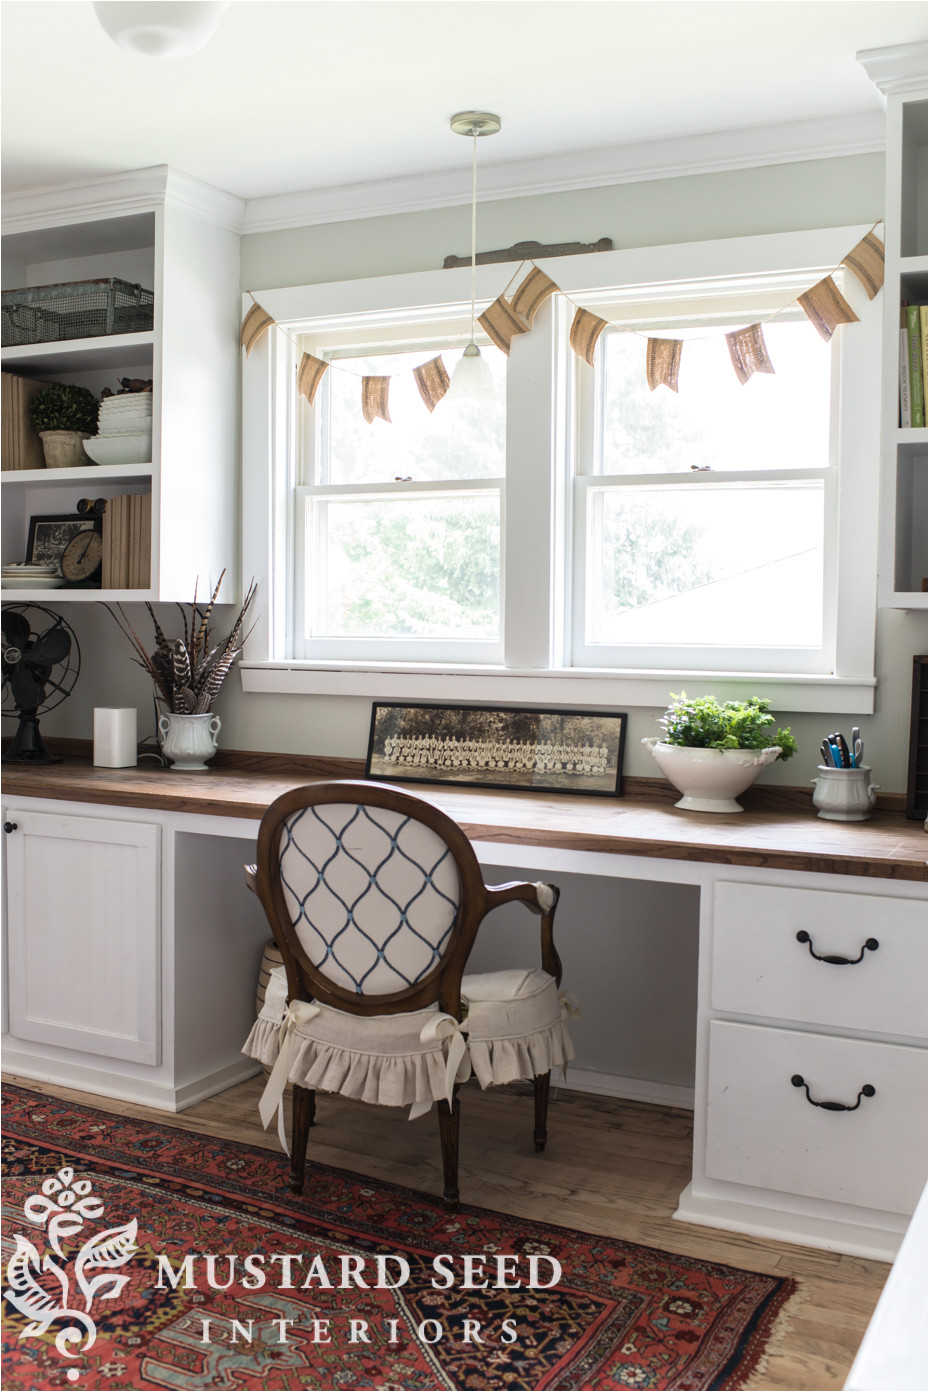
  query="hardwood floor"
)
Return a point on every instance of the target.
[{"x": 610, "y": 1167}]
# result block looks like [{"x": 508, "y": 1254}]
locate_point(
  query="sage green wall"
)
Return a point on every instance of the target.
[
  {"x": 700, "y": 207},
  {"x": 741, "y": 202}
]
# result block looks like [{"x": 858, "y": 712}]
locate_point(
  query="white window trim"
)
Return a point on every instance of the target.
[{"x": 533, "y": 676}]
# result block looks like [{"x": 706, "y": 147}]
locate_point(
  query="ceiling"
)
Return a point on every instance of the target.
[{"x": 295, "y": 95}]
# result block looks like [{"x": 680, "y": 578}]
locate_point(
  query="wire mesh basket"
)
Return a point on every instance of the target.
[{"x": 84, "y": 309}]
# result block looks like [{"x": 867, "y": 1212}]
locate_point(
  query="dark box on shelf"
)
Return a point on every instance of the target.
[{"x": 84, "y": 309}]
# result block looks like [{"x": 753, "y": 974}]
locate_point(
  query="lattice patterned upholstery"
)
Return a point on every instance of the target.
[{"x": 372, "y": 894}]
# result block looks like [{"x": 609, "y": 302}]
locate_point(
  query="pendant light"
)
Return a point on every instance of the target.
[
  {"x": 169, "y": 29},
  {"x": 472, "y": 375}
]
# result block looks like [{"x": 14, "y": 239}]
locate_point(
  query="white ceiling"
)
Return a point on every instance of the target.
[{"x": 299, "y": 95}]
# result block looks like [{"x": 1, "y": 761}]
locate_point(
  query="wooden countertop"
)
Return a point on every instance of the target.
[{"x": 786, "y": 837}]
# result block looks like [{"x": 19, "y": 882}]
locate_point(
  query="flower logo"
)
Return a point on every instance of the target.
[{"x": 40, "y": 1287}]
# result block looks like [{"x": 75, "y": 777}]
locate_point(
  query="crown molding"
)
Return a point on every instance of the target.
[
  {"x": 621, "y": 164},
  {"x": 899, "y": 68},
  {"x": 114, "y": 195}
]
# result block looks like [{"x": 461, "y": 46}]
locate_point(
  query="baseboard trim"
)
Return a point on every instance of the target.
[
  {"x": 631, "y": 1089},
  {"x": 161, "y": 1096},
  {"x": 827, "y": 1234}
]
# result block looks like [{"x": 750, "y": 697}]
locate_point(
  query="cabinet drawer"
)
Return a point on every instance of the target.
[
  {"x": 760, "y": 967},
  {"x": 764, "y": 1131}
]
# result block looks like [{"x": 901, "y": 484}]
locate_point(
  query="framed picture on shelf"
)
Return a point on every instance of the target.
[
  {"x": 551, "y": 751},
  {"x": 49, "y": 535}
]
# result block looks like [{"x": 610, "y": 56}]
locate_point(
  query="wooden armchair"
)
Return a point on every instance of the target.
[{"x": 374, "y": 898}]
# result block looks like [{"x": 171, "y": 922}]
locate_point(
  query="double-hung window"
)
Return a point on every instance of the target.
[{"x": 576, "y": 529}]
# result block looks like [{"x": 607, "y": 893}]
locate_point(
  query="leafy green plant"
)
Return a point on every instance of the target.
[
  {"x": 705, "y": 723},
  {"x": 58, "y": 407},
  {"x": 188, "y": 672}
]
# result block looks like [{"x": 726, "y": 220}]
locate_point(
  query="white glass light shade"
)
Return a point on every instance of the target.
[
  {"x": 472, "y": 377},
  {"x": 170, "y": 29}
]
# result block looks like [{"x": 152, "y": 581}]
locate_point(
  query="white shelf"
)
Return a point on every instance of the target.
[
  {"x": 75, "y": 596},
  {"x": 91, "y": 473},
  {"x": 79, "y": 354}
]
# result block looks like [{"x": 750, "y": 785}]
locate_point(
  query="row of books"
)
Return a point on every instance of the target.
[
  {"x": 21, "y": 446},
  {"x": 127, "y": 542},
  {"x": 913, "y": 372}
]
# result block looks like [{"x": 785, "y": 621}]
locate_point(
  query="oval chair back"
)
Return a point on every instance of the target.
[{"x": 373, "y": 895}]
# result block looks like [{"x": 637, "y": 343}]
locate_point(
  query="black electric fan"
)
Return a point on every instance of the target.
[{"x": 41, "y": 661}]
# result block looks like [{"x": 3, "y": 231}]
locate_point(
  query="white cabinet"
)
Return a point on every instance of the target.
[
  {"x": 178, "y": 238},
  {"x": 84, "y": 949},
  {"x": 810, "y": 1118}
]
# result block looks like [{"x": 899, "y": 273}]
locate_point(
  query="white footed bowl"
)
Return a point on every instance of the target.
[{"x": 710, "y": 779}]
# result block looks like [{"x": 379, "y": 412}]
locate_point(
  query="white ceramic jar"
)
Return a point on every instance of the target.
[
  {"x": 188, "y": 740},
  {"x": 844, "y": 795}
]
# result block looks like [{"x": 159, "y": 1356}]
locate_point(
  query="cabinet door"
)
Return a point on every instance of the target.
[{"x": 83, "y": 922}]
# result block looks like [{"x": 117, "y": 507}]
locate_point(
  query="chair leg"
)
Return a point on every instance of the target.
[
  {"x": 449, "y": 1117},
  {"x": 540, "y": 1084},
  {"x": 304, "y": 1115}
]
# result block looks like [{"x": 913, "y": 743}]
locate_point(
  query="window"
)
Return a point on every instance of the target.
[
  {"x": 579, "y": 525},
  {"x": 398, "y": 546},
  {"x": 701, "y": 535}
]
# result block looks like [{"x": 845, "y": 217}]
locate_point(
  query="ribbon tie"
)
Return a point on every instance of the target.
[
  {"x": 457, "y": 1064},
  {"x": 272, "y": 1099}
]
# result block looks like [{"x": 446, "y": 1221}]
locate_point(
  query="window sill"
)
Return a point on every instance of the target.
[{"x": 588, "y": 687}]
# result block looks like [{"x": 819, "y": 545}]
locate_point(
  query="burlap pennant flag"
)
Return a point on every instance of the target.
[
  {"x": 826, "y": 308},
  {"x": 501, "y": 324},
  {"x": 532, "y": 294},
  {"x": 866, "y": 261},
  {"x": 749, "y": 352},
  {"x": 374, "y": 391},
  {"x": 309, "y": 375},
  {"x": 254, "y": 325},
  {"x": 662, "y": 362},
  {"x": 432, "y": 381},
  {"x": 585, "y": 330}
]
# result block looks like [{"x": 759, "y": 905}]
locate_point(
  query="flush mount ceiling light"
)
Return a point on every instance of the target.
[
  {"x": 472, "y": 375},
  {"x": 172, "y": 29}
]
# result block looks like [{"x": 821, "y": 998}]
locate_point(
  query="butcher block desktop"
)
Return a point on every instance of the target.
[{"x": 134, "y": 947}]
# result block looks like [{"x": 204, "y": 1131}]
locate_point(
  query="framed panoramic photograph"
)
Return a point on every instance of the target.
[
  {"x": 49, "y": 535},
  {"x": 551, "y": 751}
]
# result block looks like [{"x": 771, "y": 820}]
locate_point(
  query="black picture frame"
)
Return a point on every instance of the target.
[
  {"x": 50, "y": 533},
  {"x": 425, "y": 742}
]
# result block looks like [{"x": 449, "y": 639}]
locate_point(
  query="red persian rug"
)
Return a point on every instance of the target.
[{"x": 139, "y": 1256}]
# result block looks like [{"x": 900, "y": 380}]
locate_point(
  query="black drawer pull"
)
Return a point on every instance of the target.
[
  {"x": 871, "y": 945},
  {"x": 10, "y": 826},
  {"x": 866, "y": 1091}
]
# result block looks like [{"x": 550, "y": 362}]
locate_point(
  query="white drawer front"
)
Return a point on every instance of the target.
[
  {"x": 763, "y": 1131},
  {"x": 760, "y": 968}
]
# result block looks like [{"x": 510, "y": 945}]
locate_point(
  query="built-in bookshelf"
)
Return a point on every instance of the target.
[
  {"x": 178, "y": 239},
  {"x": 900, "y": 74}
]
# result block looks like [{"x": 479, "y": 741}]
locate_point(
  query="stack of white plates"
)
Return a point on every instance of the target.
[
  {"x": 125, "y": 415},
  {"x": 124, "y": 430},
  {"x": 30, "y": 577}
]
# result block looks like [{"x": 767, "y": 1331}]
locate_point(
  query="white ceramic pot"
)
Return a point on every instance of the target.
[
  {"x": 710, "y": 779},
  {"x": 188, "y": 740},
  {"x": 64, "y": 449},
  {"x": 844, "y": 795}
]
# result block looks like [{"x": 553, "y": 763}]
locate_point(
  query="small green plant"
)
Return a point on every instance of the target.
[
  {"x": 705, "y": 723},
  {"x": 58, "y": 407}
]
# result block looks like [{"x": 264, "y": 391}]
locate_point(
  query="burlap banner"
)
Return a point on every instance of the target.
[
  {"x": 532, "y": 294},
  {"x": 866, "y": 261},
  {"x": 432, "y": 381},
  {"x": 374, "y": 393},
  {"x": 826, "y": 308},
  {"x": 662, "y": 362},
  {"x": 255, "y": 324},
  {"x": 309, "y": 375},
  {"x": 585, "y": 331},
  {"x": 501, "y": 324},
  {"x": 748, "y": 352}
]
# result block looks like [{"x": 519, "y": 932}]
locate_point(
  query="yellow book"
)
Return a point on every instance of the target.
[{"x": 923, "y": 316}]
